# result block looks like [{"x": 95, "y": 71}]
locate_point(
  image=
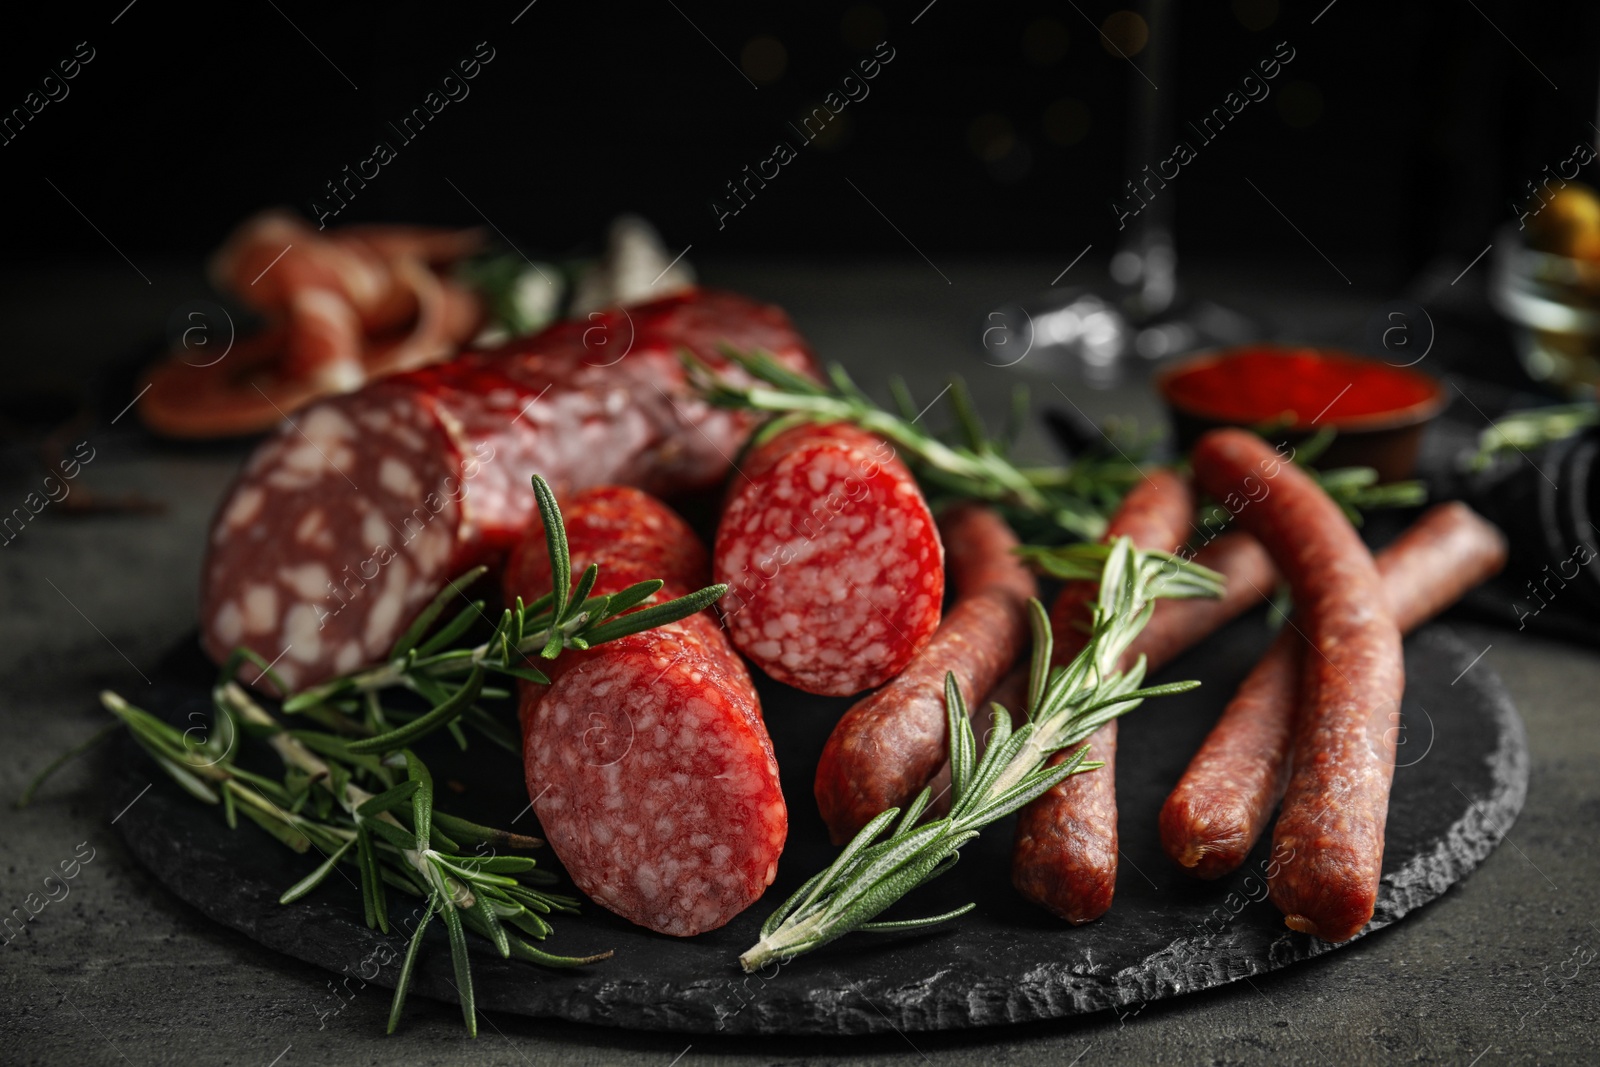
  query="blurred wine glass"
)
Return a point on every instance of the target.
[{"x": 1107, "y": 335}]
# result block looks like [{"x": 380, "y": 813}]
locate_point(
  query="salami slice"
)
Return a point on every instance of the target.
[
  {"x": 1337, "y": 802},
  {"x": 833, "y": 561},
  {"x": 1220, "y": 807},
  {"x": 647, "y": 761},
  {"x": 886, "y": 747},
  {"x": 345, "y": 522},
  {"x": 1065, "y": 855}
]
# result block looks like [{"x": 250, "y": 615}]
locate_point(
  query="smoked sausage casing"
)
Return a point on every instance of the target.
[
  {"x": 1337, "y": 801},
  {"x": 1220, "y": 807},
  {"x": 647, "y": 760},
  {"x": 1065, "y": 855},
  {"x": 359, "y": 509},
  {"x": 887, "y": 746}
]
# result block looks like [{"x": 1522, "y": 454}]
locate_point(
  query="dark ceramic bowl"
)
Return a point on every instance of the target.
[{"x": 1378, "y": 410}]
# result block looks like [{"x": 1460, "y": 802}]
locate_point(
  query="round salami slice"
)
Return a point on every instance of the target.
[
  {"x": 834, "y": 564},
  {"x": 360, "y": 508},
  {"x": 647, "y": 761}
]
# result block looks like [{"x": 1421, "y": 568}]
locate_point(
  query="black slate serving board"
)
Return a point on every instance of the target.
[{"x": 1461, "y": 778}]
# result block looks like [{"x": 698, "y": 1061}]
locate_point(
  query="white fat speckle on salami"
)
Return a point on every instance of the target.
[
  {"x": 260, "y": 608},
  {"x": 301, "y": 638},
  {"x": 834, "y": 563},
  {"x": 349, "y": 658},
  {"x": 426, "y": 474},
  {"x": 374, "y": 530},
  {"x": 397, "y": 477},
  {"x": 244, "y": 507},
  {"x": 228, "y": 624}
]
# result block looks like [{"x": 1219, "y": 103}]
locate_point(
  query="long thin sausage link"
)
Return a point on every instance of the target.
[
  {"x": 1175, "y": 627},
  {"x": 1065, "y": 856},
  {"x": 1221, "y": 805},
  {"x": 1337, "y": 800},
  {"x": 889, "y": 744}
]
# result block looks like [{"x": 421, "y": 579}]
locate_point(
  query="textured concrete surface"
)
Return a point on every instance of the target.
[{"x": 1500, "y": 970}]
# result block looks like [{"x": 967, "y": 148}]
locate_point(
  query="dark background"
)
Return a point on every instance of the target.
[{"x": 1399, "y": 131}]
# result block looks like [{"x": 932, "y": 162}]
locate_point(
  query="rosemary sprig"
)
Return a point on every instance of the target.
[
  {"x": 355, "y": 792},
  {"x": 1040, "y": 502},
  {"x": 1075, "y": 498},
  {"x": 1356, "y": 491},
  {"x": 1525, "y": 431},
  {"x": 394, "y": 838},
  {"x": 1065, "y": 705}
]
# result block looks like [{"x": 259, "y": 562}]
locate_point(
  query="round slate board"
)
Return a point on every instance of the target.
[{"x": 1461, "y": 779}]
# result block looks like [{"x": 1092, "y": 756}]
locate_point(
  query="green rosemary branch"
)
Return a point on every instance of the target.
[
  {"x": 357, "y": 794},
  {"x": 1065, "y": 705},
  {"x": 1525, "y": 431},
  {"x": 394, "y": 838},
  {"x": 1075, "y": 498},
  {"x": 1040, "y": 502}
]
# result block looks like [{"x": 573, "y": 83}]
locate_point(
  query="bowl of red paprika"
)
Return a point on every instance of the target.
[{"x": 1287, "y": 393}]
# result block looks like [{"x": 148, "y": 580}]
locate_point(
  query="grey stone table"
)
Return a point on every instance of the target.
[{"x": 1502, "y": 969}]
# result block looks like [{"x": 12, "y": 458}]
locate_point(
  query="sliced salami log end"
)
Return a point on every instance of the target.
[
  {"x": 889, "y": 744},
  {"x": 835, "y": 568},
  {"x": 647, "y": 760},
  {"x": 340, "y": 529},
  {"x": 656, "y": 786}
]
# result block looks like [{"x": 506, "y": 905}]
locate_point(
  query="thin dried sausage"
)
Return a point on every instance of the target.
[
  {"x": 888, "y": 744},
  {"x": 1220, "y": 807},
  {"x": 1065, "y": 855},
  {"x": 1337, "y": 801}
]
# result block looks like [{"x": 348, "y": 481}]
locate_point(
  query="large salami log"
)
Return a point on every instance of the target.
[
  {"x": 346, "y": 521},
  {"x": 833, "y": 562},
  {"x": 647, "y": 760}
]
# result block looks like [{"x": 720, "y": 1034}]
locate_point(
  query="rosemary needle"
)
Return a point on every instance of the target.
[{"x": 1065, "y": 705}]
